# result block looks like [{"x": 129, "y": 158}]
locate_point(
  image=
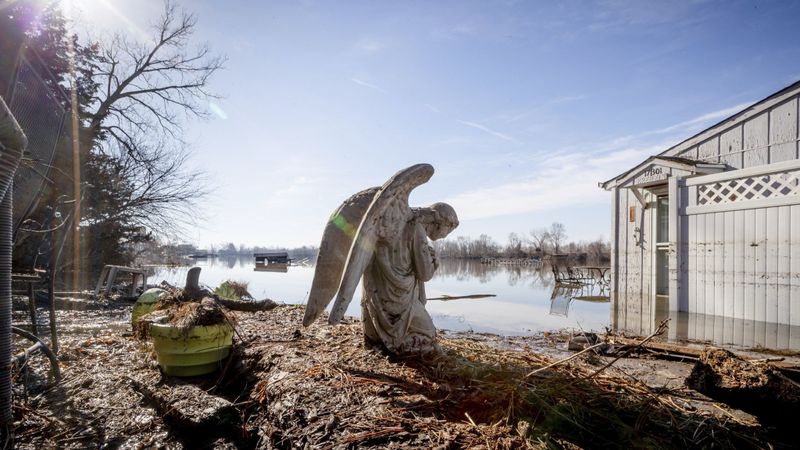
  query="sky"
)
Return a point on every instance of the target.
[{"x": 522, "y": 107}]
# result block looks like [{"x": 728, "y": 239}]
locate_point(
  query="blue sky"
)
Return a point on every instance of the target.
[{"x": 522, "y": 107}]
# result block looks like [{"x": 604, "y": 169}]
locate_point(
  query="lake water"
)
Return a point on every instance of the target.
[{"x": 525, "y": 302}]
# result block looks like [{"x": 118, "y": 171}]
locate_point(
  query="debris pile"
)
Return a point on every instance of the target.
[
  {"x": 755, "y": 387},
  {"x": 285, "y": 386}
]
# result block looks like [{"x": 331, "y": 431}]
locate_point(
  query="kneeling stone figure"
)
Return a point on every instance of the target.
[{"x": 377, "y": 235}]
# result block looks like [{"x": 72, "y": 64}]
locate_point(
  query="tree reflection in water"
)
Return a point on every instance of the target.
[{"x": 469, "y": 269}]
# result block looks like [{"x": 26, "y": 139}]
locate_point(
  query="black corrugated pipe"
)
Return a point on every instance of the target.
[{"x": 12, "y": 143}]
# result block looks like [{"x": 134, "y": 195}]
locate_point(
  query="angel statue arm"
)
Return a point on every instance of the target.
[{"x": 377, "y": 236}]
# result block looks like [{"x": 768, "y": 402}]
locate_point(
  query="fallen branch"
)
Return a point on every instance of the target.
[
  {"x": 591, "y": 347},
  {"x": 662, "y": 327},
  {"x": 447, "y": 298},
  {"x": 246, "y": 305}
]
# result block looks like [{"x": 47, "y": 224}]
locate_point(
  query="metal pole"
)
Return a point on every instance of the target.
[{"x": 76, "y": 175}]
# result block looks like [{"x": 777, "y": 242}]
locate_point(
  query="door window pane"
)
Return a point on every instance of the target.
[{"x": 662, "y": 217}]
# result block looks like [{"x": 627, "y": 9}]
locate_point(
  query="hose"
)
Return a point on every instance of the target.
[{"x": 39, "y": 345}]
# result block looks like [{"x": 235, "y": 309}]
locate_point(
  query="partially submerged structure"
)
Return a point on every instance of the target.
[{"x": 711, "y": 227}]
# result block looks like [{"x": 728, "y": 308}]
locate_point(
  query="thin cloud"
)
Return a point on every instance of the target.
[
  {"x": 488, "y": 130},
  {"x": 561, "y": 182},
  {"x": 432, "y": 108},
  {"x": 369, "y": 85},
  {"x": 552, "y": 102},
  {"x": 369, "y": 45},
  {"x": 713, "y": 116},
  {"x": 566, "y": 99}
]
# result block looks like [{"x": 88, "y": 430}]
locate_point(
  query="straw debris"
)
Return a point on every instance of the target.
[{"x": 285, "y": 386}]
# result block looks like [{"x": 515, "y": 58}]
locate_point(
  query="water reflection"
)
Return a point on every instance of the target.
[
  {"x": 472, "y": 270},
  {"x": 565, "y": 293},
  {"x": 717, "y": 330},
  {"x": 274, "y": 267},
  {"x": 522, "y": 305}
]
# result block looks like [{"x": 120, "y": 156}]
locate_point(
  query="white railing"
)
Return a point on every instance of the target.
[{"x": 757, "y": 187}]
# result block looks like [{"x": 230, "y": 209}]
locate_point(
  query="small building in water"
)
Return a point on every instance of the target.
[{"x": 709, "y": 231}]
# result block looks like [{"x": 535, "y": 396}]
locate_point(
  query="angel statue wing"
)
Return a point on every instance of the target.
[
  {"x": 379, "y": 219},
  {"x": 333, "y": 250}
]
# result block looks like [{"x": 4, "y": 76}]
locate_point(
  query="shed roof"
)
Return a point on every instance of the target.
[
  {"x": 752, "y": 110},
  {"x": 677, "y": 162}
]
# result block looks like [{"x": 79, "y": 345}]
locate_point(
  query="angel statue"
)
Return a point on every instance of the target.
[{"x": 377, "y": 235}]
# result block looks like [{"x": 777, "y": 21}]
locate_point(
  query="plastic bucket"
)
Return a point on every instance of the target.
[
  {"x": 194, "y": 351},
  {"x": 146, "y": 303}
]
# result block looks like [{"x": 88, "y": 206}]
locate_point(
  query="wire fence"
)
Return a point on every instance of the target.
[{"x": 38, "y": 104}]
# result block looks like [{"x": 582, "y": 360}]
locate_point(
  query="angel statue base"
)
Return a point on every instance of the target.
[{"x": 376, "y": 235}]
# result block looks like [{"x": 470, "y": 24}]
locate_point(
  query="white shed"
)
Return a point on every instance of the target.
[{"x": 711, "y": 227}]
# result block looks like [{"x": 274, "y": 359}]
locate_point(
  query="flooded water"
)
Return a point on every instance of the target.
[{"x": 525, "y": 303}]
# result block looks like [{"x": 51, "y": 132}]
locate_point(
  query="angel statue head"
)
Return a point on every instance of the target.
[
  {"x": 376, "y": 235},
  {"x": 438, "y": 220}
]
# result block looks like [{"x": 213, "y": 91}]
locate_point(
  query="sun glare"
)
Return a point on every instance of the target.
[{"x": 102, "y": 15}]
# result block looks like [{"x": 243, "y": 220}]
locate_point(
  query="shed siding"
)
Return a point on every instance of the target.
[
  {"x": 764, "y": 138},
  {"x": 744, "y": 261},
  {"x": 761, "y": 282},
  {"x": 740, "y": 263}
]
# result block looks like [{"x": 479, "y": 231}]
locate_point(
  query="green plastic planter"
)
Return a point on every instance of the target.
[
  {"x": 146, "y": 303},
  {"x": 196, "y": 351}
]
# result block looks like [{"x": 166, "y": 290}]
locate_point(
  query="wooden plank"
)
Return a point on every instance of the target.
[
  {"x": 738, "y": 331},
  {"x": 756, "y": 141},
  {"x": 759, "y": 334},
  {"x": 613, "y": 272},
  {"x": 794, "y": 337},
  {"x": 719, "y": 263},
  {"x": 710, "y": 256},
  {"x": 674, "y": 244},
  {"x": 718, "y": 327},
  {"x": 771, "y": 335},
  {"x": 761, "y": 265},
  {"x": 771, "y": 266},
  {"x": 691, "y": 257},
  {"x": 794, "y": 307},
  {"x": 783, "y": 336},
  {"x": 708, "y": 151},
  {"x": 647, "y": 291},
  {"x": 783, "y": 273},
  {"x": 730, "y": 147},
  {"x": 783, "y": 131},
  {"x": 738, "y": 265},
  {"x": 632, "y": 281},
  {"x": 624, "y": 240},
  {"x": 728, "y": 252},
  {"x": 749, "y": 278},
  {"x": 728, "y": 327},
  {"x": 690, "y": 153},
  {"x": 701, "y": 264}
]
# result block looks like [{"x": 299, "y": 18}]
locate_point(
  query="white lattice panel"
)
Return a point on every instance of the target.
[{"x": 774, "y": 185}]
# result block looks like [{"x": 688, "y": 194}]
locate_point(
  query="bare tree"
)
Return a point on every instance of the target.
[
  {"x": 540, "y": 238},
  {"x": 145, "y": 92},
  {"x": 558, "y": 234},
  {"x": 514, "y": 246}
]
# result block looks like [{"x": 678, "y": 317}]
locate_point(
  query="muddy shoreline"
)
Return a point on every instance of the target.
[{"x": 289, "y": 387}]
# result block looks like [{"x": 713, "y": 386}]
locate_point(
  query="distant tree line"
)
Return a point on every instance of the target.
[
  {"x": 170, "y": 252},
  {"x": 538, "y": 242}
]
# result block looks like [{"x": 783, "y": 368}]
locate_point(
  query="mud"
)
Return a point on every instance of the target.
[{"x": 285, "y": 386}]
